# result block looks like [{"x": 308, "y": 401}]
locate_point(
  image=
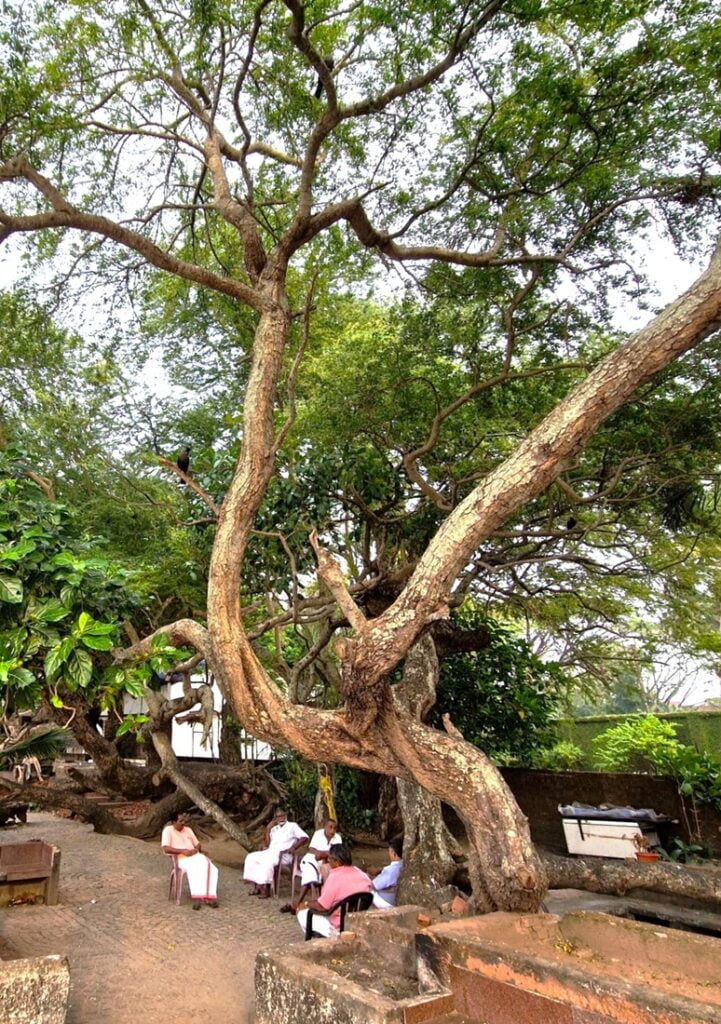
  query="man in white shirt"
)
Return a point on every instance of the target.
[
  {"x": 282, "y": 839},
  {"x": 314, "y": 867}
]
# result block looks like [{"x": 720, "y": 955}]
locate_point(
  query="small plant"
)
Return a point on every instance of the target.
[
  {"x": 563, "y": 756},
  {"x": 679, "y": 852},
  {"x": 643, "y": 847}
]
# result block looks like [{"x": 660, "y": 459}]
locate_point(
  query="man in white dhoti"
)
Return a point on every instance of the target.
[
  {"x": 179, "y": 841},
  {"x": 282, "y": 839},
  {"x": 314, "y": 867}
]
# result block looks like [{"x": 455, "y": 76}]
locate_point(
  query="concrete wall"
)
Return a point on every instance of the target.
[{"x": 539, "y": 794}]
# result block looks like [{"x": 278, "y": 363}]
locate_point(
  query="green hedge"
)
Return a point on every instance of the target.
[{"x": 700, "y": 729}]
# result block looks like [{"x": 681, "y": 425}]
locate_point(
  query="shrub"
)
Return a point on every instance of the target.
[
  {"x": 641, "y": 744},
  {"x": 564, "y": 756}
]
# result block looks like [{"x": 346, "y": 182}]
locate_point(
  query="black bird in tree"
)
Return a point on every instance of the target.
[
  {"x": 330, "y": 64},
  {"x": 184, "y": 459}
]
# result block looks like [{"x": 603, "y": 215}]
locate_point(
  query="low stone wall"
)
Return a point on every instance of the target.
[
  {"x": 578, "y": 968},
  {"x": 312, "y": 982},
  {"x": 539, "y": 794},
  {"x": 34, "y": 991},
  {"x": 582, "y": 968}
]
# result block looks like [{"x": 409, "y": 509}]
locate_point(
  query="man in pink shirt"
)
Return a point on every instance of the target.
[
  {"x": 343, "y": 880},
  {"x": 180, "y": 842}
]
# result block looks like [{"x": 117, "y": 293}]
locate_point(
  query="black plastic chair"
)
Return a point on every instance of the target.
[{"x": 354, "y": 903}]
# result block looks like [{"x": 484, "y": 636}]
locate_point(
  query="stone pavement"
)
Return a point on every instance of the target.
[{"x": 136, "y": 958}]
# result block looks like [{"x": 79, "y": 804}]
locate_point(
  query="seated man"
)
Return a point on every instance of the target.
[
  {"x": 179, "y": 840},
  {"x": 282, "y": 839},
  {"x": 343, "y": 880},
  {"x": 314, "y": 867},
  {"x": 385, "y": 881}
]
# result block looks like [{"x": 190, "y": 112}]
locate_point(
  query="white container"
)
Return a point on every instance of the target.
[{"x": 598, "y": 838}]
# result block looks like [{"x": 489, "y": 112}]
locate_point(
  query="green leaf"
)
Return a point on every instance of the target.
[
  {"x": 11, "y": 589},
  {"x": 84, "y": 621},
  {"x": 64, "y": 558},
  {"x": 56, "y": 658},
  {"x": 55, "y": 701},
  {"x": 79, "y": 668},
  {"x": 21, "y": 677},
  {"x": 135, "y": 687},
  {"x": 101, "y": 628},
  {"x": 51, "y": 611},
  {"x": 18, "y": 551},
  {"x": 97, "y": 643}
]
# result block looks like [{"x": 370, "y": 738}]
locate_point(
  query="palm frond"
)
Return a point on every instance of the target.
[{"x": 44, "y": 744}]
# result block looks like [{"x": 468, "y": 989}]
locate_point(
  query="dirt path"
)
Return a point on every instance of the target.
[{"x": 136, "y": 958}]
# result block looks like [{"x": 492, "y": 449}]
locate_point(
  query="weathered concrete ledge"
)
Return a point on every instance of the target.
[
  {"x": 399, "y": 967},
  {"x": 583, "y": 968},
  {"x": 34, "y": 991},
  {"x": 307, "y": 982}
]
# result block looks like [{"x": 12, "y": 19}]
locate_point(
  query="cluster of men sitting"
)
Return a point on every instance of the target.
[{"x": 327, "y": 874}]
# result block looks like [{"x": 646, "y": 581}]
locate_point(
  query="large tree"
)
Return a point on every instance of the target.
[{"x": 527, "y": 142}]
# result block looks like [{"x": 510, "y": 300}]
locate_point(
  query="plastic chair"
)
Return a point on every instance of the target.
[
  {"x": 352, "y": 904},
  {"x": 293, "y": 867},
  {"x": 175, "y": 888}
]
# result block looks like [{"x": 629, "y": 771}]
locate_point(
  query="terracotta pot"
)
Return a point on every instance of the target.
[{"x": 646, "y": 855}]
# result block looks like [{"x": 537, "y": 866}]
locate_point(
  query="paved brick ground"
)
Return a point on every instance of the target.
[{"x": 136, "y": 958}]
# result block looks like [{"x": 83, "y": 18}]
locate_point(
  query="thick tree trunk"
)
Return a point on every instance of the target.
[
  {"x": 114, "y": 775},
  {"x": 618, "y": 878},
  {"x": 390, "y": 819},
  {"x": 229, "y": 745},
  {"x": 102, "y": 820},
  {"x": 428, "y": 864}
]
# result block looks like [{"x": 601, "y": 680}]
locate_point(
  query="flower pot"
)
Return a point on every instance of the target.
[{"x": 646, "y": 855}]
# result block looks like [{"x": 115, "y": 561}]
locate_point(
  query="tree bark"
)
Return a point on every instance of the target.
[
  {"x": 428, "y": 865},
  {"x": 390, "y": 819},
  {"x": 617, "y": 878},
  {"x": 229, "y": 744},
  {"x": 114, "y": 774},
  {"x": 102, "y": 820}
]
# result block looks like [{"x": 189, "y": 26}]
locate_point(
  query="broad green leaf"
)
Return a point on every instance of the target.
[
  {"x": 84, "y": 621},
  {"x": 97, "y": 643},
  {"x": 56, "y": 658},
  {"x": 100, "y": 628},
  {"x": 21, "y": 677},
  {"x": 135, "y": 687},
  {"x": 79, "y": 668},
  {"x": 18, "y": 551},
  {"x": 11, "y": 589},
  {"x": 6, "y": 668},
  {"x": 51, "y": 611},
  {"x": 64, "y": 558}
]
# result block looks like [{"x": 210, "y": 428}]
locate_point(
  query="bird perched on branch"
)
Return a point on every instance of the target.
[
  {"x": 330, "y": 64},
  {"x": 184, "y": 458}
]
